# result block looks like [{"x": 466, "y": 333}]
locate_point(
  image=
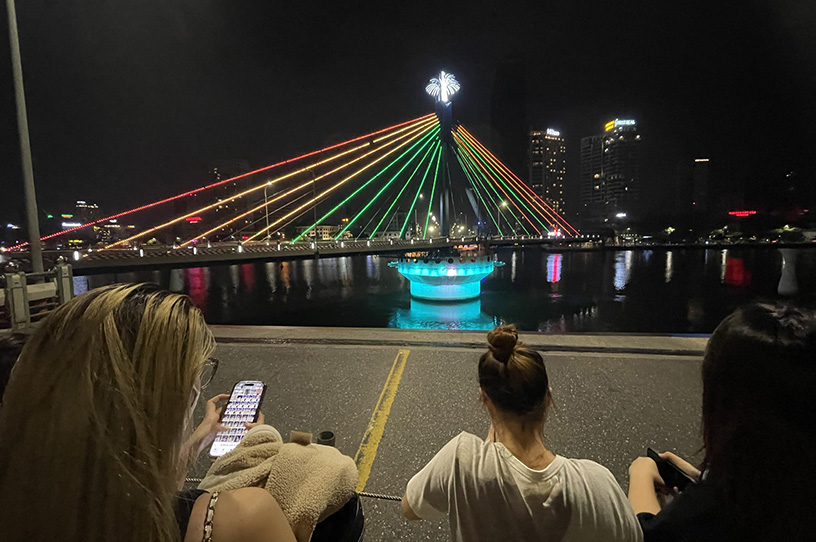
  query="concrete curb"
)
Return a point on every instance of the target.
[{"x": 655, "y": 345}]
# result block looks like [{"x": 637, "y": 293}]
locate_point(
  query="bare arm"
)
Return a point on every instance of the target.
[
  {"x": 682, "y": 464},
  {"x": 643, "y": 477}
]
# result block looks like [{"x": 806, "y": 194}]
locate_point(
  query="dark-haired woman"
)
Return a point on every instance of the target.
[
  {"x": 759, "y": 434},
  {"x": 510, "y": 486}
]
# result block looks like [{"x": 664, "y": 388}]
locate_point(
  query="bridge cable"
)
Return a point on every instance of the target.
[
  {"x": 494, "y": 178},
  {"x": 466, "y": 168},
  {"x": 419, "y": 190},
  {"x": 486, "y": 175},
  {"x": 433, "y": 189},
  {"x": 426, "y": 140},
  {"x": 542, "y": 203},
  {"x": 410, "y": 178},
  {"x": 301, "y": 186},
  {"x": 323, "y": 194}
]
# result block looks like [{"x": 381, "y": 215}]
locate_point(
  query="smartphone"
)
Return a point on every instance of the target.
[
  {"x": 672, "y": 475},
  {"x": 243, "y": 407}
]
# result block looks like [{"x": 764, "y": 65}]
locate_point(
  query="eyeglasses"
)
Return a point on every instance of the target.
[{"x": 208, "y": 372}]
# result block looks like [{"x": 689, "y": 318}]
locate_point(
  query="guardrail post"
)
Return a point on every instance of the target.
[
  {"x": 65, "y": 281},
  {"x": 17, "y": 302}
]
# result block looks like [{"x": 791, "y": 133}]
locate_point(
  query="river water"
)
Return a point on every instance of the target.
[{"x": 676, "y": 291}]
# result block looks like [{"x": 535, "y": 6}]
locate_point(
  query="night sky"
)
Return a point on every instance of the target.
[{"x": 129, "y": 101}]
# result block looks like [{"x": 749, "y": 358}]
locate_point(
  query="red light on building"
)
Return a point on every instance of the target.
[
  {"x": 193, "y": 219},
  {"x": 741, "y": 213}
]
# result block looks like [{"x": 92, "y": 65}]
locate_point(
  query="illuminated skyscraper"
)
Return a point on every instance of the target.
[
  {"x": 86, "y": 212},
  {"x": 546, "y": 166},
  {"x": 610, "y": 173}
]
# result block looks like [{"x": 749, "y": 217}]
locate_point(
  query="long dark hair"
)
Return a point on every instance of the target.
[{"x": 759, "y": 420}]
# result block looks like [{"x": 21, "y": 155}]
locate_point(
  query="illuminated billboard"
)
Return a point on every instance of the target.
[
  {"x": 742, "y": 214},
  {"x": 617, "y": 123}
]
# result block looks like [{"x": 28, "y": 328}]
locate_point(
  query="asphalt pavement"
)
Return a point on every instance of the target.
[{"x": 414, "y": 393}]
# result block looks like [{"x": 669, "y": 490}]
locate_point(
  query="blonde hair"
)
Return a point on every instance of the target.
[{"x": 91, "y": 426}]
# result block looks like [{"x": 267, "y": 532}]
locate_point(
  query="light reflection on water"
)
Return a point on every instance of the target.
[
  {"x": 429, "y": 315},
  {"x": 679, "y": 291},
  {"x": 623, "y": 268}
]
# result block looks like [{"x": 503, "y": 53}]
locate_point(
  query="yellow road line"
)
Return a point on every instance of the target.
[{"x": 376, "y": 426}]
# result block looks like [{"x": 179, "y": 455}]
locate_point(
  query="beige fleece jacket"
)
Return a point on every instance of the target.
[{"x": 309, "y": 482}]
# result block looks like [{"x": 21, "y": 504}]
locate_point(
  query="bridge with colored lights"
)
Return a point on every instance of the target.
[
  {"x": 420, "y": 185},
  {"x": 195, "y": 256}
]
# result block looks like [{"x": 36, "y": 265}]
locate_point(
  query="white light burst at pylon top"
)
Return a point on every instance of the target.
[{"x": 444, "y": 87}]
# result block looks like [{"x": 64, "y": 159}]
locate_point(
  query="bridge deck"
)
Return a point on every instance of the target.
[{"x": 149, "y": 257}]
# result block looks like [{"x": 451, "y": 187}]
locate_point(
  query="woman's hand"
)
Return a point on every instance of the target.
[
  {"x": 261, "y": 419},
  {"x": 682, "y": 464},
  {"x": 210, "y": 425}
]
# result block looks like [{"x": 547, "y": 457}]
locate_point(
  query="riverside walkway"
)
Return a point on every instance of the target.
[{"x": 395, "y": 397}]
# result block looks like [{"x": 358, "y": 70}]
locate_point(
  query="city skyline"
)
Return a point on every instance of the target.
[{"x": 141, "y": 113}]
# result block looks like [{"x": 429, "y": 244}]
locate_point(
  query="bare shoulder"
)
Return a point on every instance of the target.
[{"x": 247, "y": 515}]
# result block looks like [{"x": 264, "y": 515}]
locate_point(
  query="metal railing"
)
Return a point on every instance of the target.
[{"x": 26, "y": 298}]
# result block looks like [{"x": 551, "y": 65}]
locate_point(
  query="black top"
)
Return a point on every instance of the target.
[
  {"x": 698, "y": 514},
  {"x": 184, "y": 507}
]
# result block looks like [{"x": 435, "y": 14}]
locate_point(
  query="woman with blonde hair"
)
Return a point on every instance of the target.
[
  {"x": 510, "y": 486},
  {"x": 96, "y": 427}
]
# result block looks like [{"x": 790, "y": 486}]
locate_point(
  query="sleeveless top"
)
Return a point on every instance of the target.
[{"x": 184, "y": 508}]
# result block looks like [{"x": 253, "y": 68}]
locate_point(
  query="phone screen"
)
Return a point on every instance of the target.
[{"x": 242, "y": 407}]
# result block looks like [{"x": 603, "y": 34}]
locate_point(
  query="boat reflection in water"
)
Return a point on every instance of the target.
[{"x": 442, "y": 315}]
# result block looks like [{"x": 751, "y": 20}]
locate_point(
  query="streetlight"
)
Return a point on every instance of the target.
[
  {"x": 266, "y": 207},
  {"x": 498, "y": 214},
  {"x": 314, "y": 205},
  {"x": 25, "y": 143}
]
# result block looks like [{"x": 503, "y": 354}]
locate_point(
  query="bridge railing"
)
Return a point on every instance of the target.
[{"x": 26, "y": 298}]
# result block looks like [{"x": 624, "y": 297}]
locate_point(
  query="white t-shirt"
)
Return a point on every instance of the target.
[{"x": 490, "y": 495}]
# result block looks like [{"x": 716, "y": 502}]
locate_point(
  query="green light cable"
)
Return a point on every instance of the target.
[
  {"x": 307, "y": 230},
  {"x": 508, "y": 208},
  {"x": 473, "y": 177},
  {"x": 487, "y": 177},
  {"x": 501, "y": 180},
  {"x": 410, "y": 178},
  {"x": 472, "y": 182},
  {"x": 554, "y": 218},
  {"x": 422, "y": 184},
  {"x": 425, "y": 140},
  {"x": 433, "y": 190}
]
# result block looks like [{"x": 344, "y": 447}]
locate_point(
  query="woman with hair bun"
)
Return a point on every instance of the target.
[{"x": 510, "y": 486}]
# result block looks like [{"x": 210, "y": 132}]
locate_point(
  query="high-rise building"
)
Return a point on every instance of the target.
[
  {"x": 546, "y": 167},
  {"x": 610, "y": 173},
  {"x": 700, "y": 176},
  {"x": 86, "y": 212}
]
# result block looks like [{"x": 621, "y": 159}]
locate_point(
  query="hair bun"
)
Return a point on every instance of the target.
[{"x": 502, "y": 341}]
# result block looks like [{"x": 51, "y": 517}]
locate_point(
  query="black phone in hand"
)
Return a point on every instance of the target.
[{"x": 672, "y": 475}]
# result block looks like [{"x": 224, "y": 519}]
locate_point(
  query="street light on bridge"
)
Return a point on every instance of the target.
[{"x": 25, "y": 143}]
